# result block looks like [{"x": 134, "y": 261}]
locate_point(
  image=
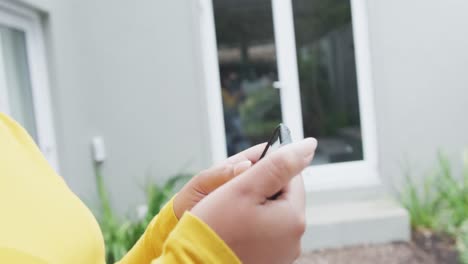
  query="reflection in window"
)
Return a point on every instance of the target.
[
  {"x": 16, "y": 66},
  {"x": 327, "y": 74},
  {"x": 247, "y": 63}
]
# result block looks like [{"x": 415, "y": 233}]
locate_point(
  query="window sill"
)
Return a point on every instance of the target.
[{"x": 346, "y": 175}]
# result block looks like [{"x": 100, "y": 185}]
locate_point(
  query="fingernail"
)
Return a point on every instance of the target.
[
  {"x": 307, "y": 148},
  {"x": 242, "y": 166}
]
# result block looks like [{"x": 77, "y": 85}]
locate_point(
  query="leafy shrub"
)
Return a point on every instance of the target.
[
  {"x": 422, "y": 204},
  {"x": 462, "y": 242},
  {"x": 260, "y": 113},
  {"x": 121, "y": 234},
  {"x": 441, "y": 204}
]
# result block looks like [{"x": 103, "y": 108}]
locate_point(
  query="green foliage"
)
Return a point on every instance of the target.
[
  {"x": 260, "y": 113},
  {"x": 462, "y": 242},
  {"x": 454, "y": 197},
  {"x": 121, "y": 234},
  {"x": 422, "y": 204},
  {"x": 441, "y": 204},
  {"x": 324, "y": 114},
  {"x": 317, "y": 18}
]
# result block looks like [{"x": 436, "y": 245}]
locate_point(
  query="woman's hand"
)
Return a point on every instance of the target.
[
  {"x": 209, "y": 180},
  {"x": 257, "y": 229}
]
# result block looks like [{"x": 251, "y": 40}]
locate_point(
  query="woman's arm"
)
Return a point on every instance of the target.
[
  {"x": 9, "y": 255},
  {"x": 193, "y": 242},
  {"x": 150, "y": 244}
]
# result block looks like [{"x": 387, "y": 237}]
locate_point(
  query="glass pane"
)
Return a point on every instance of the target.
[
  {"x": 247, "y": 63},
  {"x": 328, "y": 83},
  {"x": 15, "y": 61}
]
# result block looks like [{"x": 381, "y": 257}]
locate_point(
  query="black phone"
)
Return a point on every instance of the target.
[{"x": 280, "y": 137}]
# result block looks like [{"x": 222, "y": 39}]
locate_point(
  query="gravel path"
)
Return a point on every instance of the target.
[{"x": 395, "y": 253}]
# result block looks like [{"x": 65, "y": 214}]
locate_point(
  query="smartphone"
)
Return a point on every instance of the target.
[{"x": 280, "y": 137}]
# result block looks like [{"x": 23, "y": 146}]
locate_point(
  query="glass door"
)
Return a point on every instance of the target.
[
  {"x": 251, "y": 69},
  {"x": 305, "y": 63},
  {"x": 15, "y": 76},
  {"x": 24, "y": 85},
  {"x": 248, "y": 71},
  {"x": 328, "y": 78}
]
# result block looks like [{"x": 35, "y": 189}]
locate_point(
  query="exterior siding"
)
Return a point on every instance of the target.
[
  {"x": 126, "y": 72},
  {"x": 419, "y": 65}
]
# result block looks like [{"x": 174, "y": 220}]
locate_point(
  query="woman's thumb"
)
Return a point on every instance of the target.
[{"x": 272, "y": 173}]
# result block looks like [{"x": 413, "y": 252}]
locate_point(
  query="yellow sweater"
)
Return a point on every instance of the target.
[{"x": 42, "y": 221}]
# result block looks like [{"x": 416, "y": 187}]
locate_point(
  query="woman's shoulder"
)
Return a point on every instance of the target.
[{"x": 10, "y": 128}]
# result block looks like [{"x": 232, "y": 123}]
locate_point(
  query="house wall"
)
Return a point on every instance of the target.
[
  {"x": 419, "y": 55},
  {"x": 126, "y": 72},
  {"x": 132, "y": 74}
]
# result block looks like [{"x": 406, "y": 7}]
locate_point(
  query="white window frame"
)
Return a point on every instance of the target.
[
  {"x": 29, "y": 21},
  {"x": 332, "y": 176}
]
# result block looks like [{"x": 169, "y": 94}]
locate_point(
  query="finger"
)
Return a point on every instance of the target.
[
  {"x": 275, "y": 171},
  {"x": 216, "y": 176},
  {"x": 252, "y": 154},
  {"x": 295, "y": 193},
  {"x": 241, "y": 167},
  {"x": 212, "y": 178}
]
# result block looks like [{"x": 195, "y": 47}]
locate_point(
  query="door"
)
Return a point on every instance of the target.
[
  {"x": 15, "y": 76},
  {"x": 305, "y": 63},
  {"x": 252, "y": 63},
  {"x": 24, "y": 87}
]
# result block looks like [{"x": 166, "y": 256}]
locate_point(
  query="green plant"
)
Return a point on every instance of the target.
[
  {"x": 453, "y": 195},
  {"x": 121, "y": 234},
  {"x": 422, "y": 204},
  {"x": 441, "y": 204},
  {"x": 462, "y": 242},
  {"x": 260, "y": 113}
]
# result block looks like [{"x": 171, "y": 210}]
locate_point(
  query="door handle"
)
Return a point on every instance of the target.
[{"x": 277, "y": 85}]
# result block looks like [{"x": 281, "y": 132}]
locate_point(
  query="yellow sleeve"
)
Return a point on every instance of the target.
[
  {"x": 9, "y": 255},
  {"x": 193, "y": 241},
  {"x": 150, "y": 244}
]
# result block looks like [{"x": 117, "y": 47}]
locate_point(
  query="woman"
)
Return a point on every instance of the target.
[{"x": 223, "y": 215}]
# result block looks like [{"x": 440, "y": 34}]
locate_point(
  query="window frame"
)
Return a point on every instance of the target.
[
  {"x": 29, "y": 21},
  {"x": 333, "y": 176}
]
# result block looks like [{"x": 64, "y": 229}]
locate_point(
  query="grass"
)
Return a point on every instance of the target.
[
  {"x": 441, "y": 203},
  {"x": 121, "y": 234}
]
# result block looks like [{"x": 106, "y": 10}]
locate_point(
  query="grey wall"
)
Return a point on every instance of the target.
[
  {"x": 420, "y": 61},
  {"x": 126, "y": 72}
]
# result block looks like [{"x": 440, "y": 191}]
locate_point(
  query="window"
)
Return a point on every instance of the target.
[
  {"x": 24, "y": 91},
  {"x": 327, "y": 78},
  {"x": 248, "y": 71},
  {"x": 302, "y": 62},
  {"x": 16, "y": 77}
]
